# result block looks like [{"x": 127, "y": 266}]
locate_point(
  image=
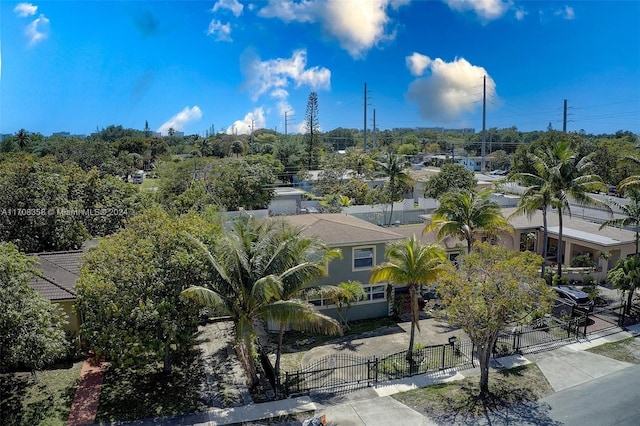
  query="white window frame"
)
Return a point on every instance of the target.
[
  {"x": 381, "y": 289},
  {"x": 353, "y": 258}
]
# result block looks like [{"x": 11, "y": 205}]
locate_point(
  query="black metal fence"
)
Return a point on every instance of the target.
[
  {"x": 542, "y": 333},
  {"x": 344, "y": 370}
]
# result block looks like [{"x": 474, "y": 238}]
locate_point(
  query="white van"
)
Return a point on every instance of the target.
[{"x": 137, "y": 177}]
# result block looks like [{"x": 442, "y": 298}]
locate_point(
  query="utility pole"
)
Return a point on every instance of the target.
[
  {"x": 365, "y": 116},
  {"x": 564, "y": 118},
  {"x": 373, "y": 138},
  {"x": 251, "y": 148},
  {"x": 484, "y": 119},
  {"x": 286, "y": 122}
]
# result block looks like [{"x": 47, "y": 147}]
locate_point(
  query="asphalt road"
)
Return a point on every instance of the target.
[{"x": 611, "y": 400}]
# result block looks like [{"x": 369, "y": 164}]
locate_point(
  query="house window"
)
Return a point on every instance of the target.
[
  {"x": 363, "y": 257},
  {"x": 375, "y": 292}
]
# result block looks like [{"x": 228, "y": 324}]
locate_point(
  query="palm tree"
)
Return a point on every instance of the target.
[
  {"x": 22, "y": 137},
  {"x": 360, "y": 162},
  {"x": 631, "y": 213},
  {"x": 466, "y": 214},
  {"x": 258, "y": 272},
  {"x": 534, "y": 198},
  {"x": 237, "y": 147},
  {"x": 568, "y": 177},
  {"x": 410, "y": 264},
  {"x": 343, "y": 295},
  {"x": 399, "y": 181},
  {"x": 626, "y": 277},
  {"x": 630, "y": 181}
]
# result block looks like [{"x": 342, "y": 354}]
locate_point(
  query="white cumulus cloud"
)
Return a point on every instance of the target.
[
  {"x": 358, "y": 25},
  {"x": 37, "y": 30},
  {"x": 233, "y": 5},
  {"x": 417, "y": 63},
  {"x": 222, "y": 32},
  {"x": 25, "y": 9},
  {"x": 520, "y": 13},
  {"x": 178, "y": 121},
  {"x": 566, "y": 12},
  {"x": 449, "y": 89},
  {"x": 487, "y": 10},
  {"x": 277, "y": 74},
  {"x": 254, "y": 118}
]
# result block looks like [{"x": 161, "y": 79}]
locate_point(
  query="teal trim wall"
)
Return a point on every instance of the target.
[
  {"x": 363, "y": 311},
  {"x": 342, "y": 269}
]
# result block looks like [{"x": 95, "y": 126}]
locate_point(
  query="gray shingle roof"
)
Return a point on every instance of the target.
[
  {"x": 59, "y": 273},
  {"x": 337, "y": 229}
]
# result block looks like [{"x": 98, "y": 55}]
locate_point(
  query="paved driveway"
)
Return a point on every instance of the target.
[
  {"x": 387, "y": 340},
  {"x": 565, "y": 368}
]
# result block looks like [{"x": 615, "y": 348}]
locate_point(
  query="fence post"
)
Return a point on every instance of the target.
[
  {"x": 444, "y": 349},
  {"x": 584, "y": 330},
  {"x": 377, "y": 366},
  {"x": 286, "y": 383},
  {"x": 622, "y": 318}
]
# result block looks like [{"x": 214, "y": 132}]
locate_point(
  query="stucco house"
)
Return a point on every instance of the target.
[
  {"x": 363, "y": 246},
  {"x": 579, "y": 237}
]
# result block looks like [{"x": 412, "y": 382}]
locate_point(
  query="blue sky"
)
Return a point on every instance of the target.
[{"x": 80, "y": 65}]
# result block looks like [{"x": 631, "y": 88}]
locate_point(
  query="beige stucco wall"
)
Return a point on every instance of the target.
[{"x": 67, "y": 307}]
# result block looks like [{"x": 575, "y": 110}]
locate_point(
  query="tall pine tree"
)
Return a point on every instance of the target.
[{"x": 312, "y": 131}]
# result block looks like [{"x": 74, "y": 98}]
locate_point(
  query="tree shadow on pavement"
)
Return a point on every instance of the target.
[{"x": 505, "y": 406}]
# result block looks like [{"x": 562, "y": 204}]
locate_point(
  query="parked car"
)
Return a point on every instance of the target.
[
  {"x": 499, "y": 172},
  {"x": 572, "y": 301}
]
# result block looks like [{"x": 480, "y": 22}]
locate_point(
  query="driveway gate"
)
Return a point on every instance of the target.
[{"x": 340, "y": 371}]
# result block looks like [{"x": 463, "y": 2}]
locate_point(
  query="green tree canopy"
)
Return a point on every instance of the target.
[
  {"x": 493, "y": 288},
  {"x": 450, "y": 178},
  {"x": 128, "y": 292},
  {"x": 31, "y": 327},
  {"x": 47, "y": 206}
]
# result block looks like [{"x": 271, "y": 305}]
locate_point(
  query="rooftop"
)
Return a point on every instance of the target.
[
  {"x": 59, "y": 273},
  {"x": 337, "y": 229}
]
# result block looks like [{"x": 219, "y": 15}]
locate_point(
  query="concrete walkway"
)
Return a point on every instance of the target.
[{"x": 563, "y": 367}]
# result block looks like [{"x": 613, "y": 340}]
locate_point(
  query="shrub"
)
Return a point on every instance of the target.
[{"x": 583, "y": 260}]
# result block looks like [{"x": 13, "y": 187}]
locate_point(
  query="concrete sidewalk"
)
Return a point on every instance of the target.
[{"x": 564, "y": 367}]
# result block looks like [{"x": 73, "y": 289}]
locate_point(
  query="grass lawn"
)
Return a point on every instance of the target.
[
  {"x": 458, "y": 403},
  {"x": 149, "y": 184},
  {"x": 129, "y": 394},
  {"x": 627, "y": 350},
  {"x": 43, "y": 399}
]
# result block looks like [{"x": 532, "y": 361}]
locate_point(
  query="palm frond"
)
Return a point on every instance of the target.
[
  {"x": 302, "y": 316},
  {"x": 204, "y": 296}
]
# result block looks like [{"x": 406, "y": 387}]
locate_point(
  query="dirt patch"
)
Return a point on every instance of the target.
[
  {"x": 457, "y": 403},
  {"x": 225, "y": 383}
]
